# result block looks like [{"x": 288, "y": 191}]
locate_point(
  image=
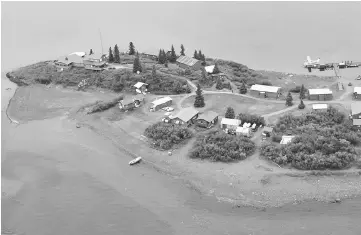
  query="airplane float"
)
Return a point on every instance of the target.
[{"x": 315, "y": 64}]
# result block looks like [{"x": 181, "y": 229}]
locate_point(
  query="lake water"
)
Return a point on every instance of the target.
[{"x": 262, "y": 35}]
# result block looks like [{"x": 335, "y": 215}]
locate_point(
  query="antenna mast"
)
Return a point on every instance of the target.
[{"x": 101, "y": 42}]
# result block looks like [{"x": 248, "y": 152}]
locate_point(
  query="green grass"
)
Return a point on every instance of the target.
[{"x": 220, "y": 102}]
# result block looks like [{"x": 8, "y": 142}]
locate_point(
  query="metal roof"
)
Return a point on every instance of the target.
[
  {"x": 357, "y": 90},
  {"x": 187, "y": 60},
  {"x": 287, "y": 139},
  {"x": 209, "y": 69},
  {"x": 139, "y": 84},
  {"x": 95, "y": 56},
  {"x": 319, "y": 106},
  {"x": 208, "y": 116},
  {"x": 75, "y": 59},
  {"x": 356, "y": 122},
  {"x": 186, "y": 114},
  {"x": 264, "y": 88},
  {"x": 232, "y": 122},
  {"x": 161, "y": 101},
  {"x": 355, "y": 108},
  {"x": 324, "y": 91}
]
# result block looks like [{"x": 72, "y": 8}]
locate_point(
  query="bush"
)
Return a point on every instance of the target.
[
  {"x": 102, "y": 106},
  {"x": 251, "y": 118},
  {"x": 165, "y": 135},
  {"x": 324, "y": 140},
  {"x": 297, "y": 89},
  {"x": 219, "y": 146}
]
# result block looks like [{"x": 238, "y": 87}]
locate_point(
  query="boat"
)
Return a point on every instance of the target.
[{"x": 135, "y": 161}]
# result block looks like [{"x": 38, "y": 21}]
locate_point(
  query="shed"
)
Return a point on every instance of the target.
[
  {"x": 267, "y": 131},
  {"x": 265, "y": 91},
  {"x": 357, "y": 92},
  {"x": 227, "y": 123},
  {"x": 189, "y": 63},
  {"x": 319, "y": 106},
  {"x": 244, "y": 131},
  {"x": 209, "y": 69},
  {"x": 63, "y": 62},
  {"x": 320, "y": 94},
  {"x": 286, "y": 139},
  {"x": 160, "y": 103},
  {"x": 140, "y": 86},
  {"x": 185, "y": 116},
  {"x": 207, "y": 119}
]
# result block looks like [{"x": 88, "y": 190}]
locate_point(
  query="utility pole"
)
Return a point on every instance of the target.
[{"x": 101, "y": 42}]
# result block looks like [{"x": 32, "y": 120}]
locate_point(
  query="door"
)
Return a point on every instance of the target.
[{"x": 321, "y": 97}]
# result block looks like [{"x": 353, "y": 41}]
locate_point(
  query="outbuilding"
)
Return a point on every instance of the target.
[
  {"x": 141, "y": 87},
  {"x": 131, "y": 103},
  {"x": 357, "y": 93},
  {"x": 286, "y": 139},
  {"x": 186, "y": 62},
  {"x": 231, "y": 124},
  {"x": 320, "y": 94},
  {"x": 356, "y": 113},
  {"x": 96, "y": 61},
  {"x": 63, "y": 62},
  {"x": 186, "y": 116},
  {"x": 209, "y": 69},
  {"x": 264, "y": 91},
  {"x": 161, "y": 103},
  {"x": 77, "y": 61},
  {"x": 319, "y": 106},
  {"x": 207, "y": 119},
  {"x": 243, "y": 131},
  {"x": 267, "y": 131}
]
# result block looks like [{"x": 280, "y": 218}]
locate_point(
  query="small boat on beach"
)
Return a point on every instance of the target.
[{"x": 135, "y": 161}]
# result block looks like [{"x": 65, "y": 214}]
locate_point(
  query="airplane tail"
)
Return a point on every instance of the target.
[{"x": 309, "y": 59}]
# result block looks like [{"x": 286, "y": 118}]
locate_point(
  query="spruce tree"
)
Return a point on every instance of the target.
[
  {"x": 243, "y": 89},
  {"x": 301, "y": 105},
  {"x": 204, "y": 75},
  {"x": 302, "y": 92},
  {"x": 154, "y": 73},
  {"x": 230, "y": 113},
  {"x": 289, "y": 99},
  {"x": 199, "y": 100},
  {"x": 116, "y": 54},
  {"x": 136, "y": 65},
  {"x": 219, "y": 84},
  {"x": 216, "y": 69},
  {"x": 131, "y": 49},
  {"x": 200, "y": 55},
  {"x": 195, "y": 56},
  {"x": 111, "y": 57},
  {"x": 91, "y": 52},
  {"x": 173, "y": 56},
  {"x": 164, "y": 55},
  {"x": 182, "y": 50},
  {"x": 160, "y": 57}
]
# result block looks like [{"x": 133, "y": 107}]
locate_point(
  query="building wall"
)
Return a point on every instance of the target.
[
  {"x": 196, "y": 66},
  {"x": 254, "y": 93},
  {"x": 224, "y": 126},
  {"x": 320, "y": 97},
  {"x": 272, "y": 95},
  {"x": 313, "y": 97},
  {"x": 156, "y": 108},
  {"x": 78, "y": 65},
  {"x": 268, "y": 94},
  {"x": 356, "y": 116},
  {"x": 357, "y": 96}
]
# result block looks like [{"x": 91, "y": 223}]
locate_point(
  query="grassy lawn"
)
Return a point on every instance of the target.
[{"x": 220, "y": 102}]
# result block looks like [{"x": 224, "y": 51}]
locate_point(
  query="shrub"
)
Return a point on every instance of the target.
[
  {"x": 297, "y": 89},
  {"x": 219, "y": 146},
  {"x": 251, "y": 118},
  {"x": 324, "y": 140},
  {"x": 165, "y": 135},
  {"x": 102, "y": 106},
  {"x": 301, "y": 105}
]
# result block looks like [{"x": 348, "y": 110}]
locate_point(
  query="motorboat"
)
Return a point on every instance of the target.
[{"x": 135, "y": 161}]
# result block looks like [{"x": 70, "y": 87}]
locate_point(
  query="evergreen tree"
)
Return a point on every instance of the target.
[
  {"x": 173, "y": 56},
  {"x": 289, "y": 99},
  {"x": 154, "y": 73},
  {"x": 216, "y": 69},
  {"x": 166, "y": 64},
  {"x": 160, "y": 59},
  {"x": 91, "y": 52},
  {"x": 182, "y": 50},
  {"x": 195, "y": 56},
  {"x": 200, "y": 55},
  {"x": 230, "y": 113},
  {"x": 204, "y": 75},
  {"x": 199, "y": 100},
  {"x": 164, "y": 57},
  {"x": 116, "y": 54},
  {"x": 136, "y": 65},
  {"x": 302, "y": 92},
  {"x": 219, "y": 85},
  {"x": 243, "y": 89},
  {"x": 301, "y": 105},
  {"x": 111, "y": 57},
  {"x": 131, "y": 49}
]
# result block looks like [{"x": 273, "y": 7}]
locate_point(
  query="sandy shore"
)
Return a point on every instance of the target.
[{"x": 79, "y": 182}]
